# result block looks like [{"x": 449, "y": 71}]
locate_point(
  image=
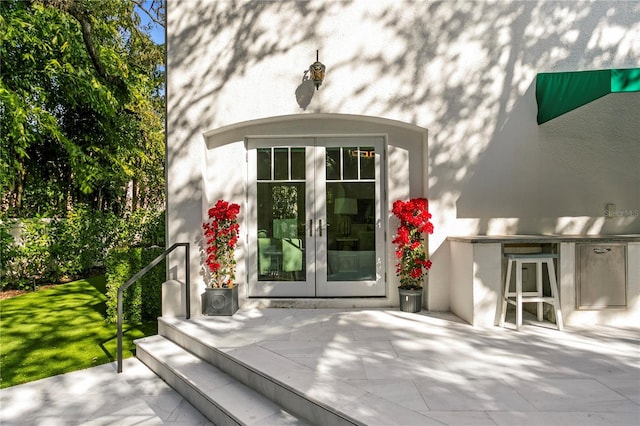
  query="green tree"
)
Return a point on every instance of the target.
[{"x": 81, "y": 106}]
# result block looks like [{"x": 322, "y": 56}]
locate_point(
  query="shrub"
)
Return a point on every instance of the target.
[
  {"x": 80, "y": 242},
  {"x": 142, "y": 300},
  {"x": 28, "y": 260},
  {"x": 41, "y": 250},
  {"x": 8, "y": 252}
]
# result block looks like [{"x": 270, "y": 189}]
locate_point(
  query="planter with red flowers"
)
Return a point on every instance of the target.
[
  {"x": 413, "y": 263},
  {"x": 220, "y": 240}
]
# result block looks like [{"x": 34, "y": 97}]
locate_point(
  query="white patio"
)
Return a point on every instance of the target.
[{"x": 359, "y": 366}]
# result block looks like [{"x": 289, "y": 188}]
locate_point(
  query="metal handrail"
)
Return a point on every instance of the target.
[{"x": 146, "y": 269}]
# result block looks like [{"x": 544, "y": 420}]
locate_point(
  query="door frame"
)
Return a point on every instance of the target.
[
  {"x": 223, "y": 161},
  {"x": 284, "y": 288},
  {"x": 363, "y": 288},
  {"x": 317, "y": 284}
]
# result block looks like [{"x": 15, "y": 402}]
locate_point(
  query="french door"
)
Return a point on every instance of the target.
[{"x": 315, "y": 227}]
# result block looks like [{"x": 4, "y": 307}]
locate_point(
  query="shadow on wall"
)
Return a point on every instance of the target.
[
  {"x": 225, "y": 41},
  {"x": 446, "y": 72},
  {"x": 252, "y": 41},
  {"x": 558, "y": 177},
  {"x": 476, "y": 123},
  {"x": 305, "y": 92}
]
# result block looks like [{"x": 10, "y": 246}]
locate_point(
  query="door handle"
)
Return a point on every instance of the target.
[
  {"x": 601, "y": 250},
  {"x": 320, "y": 227},
  {"x": 311, "y": 227}
]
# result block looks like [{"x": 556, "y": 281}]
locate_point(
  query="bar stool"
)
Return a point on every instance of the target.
[{"x": 531, "y": 296}]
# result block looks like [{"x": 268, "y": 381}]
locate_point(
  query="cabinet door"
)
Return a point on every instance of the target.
[{"x": 602, "y": 276}]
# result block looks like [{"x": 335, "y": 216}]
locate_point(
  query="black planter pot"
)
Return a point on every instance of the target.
[
  {"x": 220, "y": 301},
  {"x": 410, "y": 300}
]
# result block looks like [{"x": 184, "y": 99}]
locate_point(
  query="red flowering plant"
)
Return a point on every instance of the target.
[
  {"x": 221, "y": 238},
  {"x": 413, "y": 263}
]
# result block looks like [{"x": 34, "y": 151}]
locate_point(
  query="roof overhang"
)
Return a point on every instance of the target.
[{"x": 560, "y": 92}]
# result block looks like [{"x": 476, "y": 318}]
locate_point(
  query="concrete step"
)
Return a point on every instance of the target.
[
  {"x": 220, "y": 397},
  {"x": 274, "y": 377}
]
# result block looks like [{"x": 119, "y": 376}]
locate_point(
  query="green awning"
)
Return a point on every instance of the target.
[{"x": 560, "y": 92}]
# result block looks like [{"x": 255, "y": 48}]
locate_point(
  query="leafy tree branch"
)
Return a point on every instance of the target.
[{"x": 81, "y": 107}]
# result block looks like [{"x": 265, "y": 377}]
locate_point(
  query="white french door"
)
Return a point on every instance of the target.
[{"x": 314, "y": 217}]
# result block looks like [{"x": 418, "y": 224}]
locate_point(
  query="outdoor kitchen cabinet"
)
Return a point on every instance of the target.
[
  {"x": 601, "y": 275},
  {"x": 598, "y": 277}
]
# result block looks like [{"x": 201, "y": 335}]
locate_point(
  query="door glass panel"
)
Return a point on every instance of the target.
[
  {"x": 298, "y": 166},
  {"x": 263, "y": 160},
  {"x": 350, "y": 161},
  {"x": 367, "y": 162},
  {"x": 333, "y": 163},
  {"x": 281, "y": 160},
  {"x": 351, "y": 248},
  {"x": 281, "y": 215}
]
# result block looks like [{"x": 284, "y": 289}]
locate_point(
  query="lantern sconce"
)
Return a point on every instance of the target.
[{"x": 316, "y": 71}]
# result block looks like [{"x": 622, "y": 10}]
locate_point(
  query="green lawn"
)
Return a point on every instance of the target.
[{"x": 58, "y": 330}]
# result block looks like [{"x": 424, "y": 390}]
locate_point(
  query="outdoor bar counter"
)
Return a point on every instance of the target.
[{"x": 594, "y": 289}]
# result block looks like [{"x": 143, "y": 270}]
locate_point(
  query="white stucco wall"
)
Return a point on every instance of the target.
[
  {"x": 225, "y": 170},
  {"x": 463, "y": 70}
]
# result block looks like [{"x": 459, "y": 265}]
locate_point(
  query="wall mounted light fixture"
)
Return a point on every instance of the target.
[{"x": 317, "y": 71}]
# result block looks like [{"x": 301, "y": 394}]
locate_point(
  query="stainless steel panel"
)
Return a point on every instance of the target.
[{"x": 601, "y": 275}]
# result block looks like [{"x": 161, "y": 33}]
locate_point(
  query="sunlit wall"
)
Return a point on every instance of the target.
[{"x": 463, "y": 70}]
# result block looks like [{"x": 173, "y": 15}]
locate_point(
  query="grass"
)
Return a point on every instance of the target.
[{"x": 58, "y": 330}]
